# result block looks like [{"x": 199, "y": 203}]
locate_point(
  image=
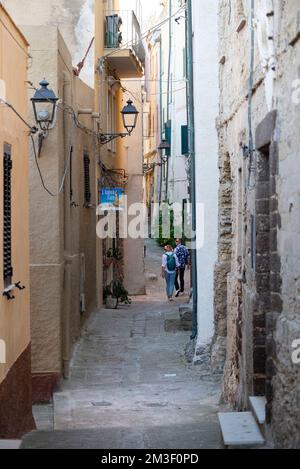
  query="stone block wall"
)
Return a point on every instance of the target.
[
  {"x": 284, "y": 320},
  {"x": 257, "y": 278}
]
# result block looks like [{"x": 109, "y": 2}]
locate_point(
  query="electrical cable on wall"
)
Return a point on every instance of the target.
[
  {"x": 252, "y": 154},
  {"x": 10, "y": 106},
  {"x": 67, "y": 166},
  {"x": 145, "y": 34},
  {"x": 33, "y": 131},
  {"x": 71, "y": 111}
]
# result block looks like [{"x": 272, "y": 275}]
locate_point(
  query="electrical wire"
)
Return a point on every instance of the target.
[
  {"x": 32, "y": 129},
  {"x": 140, "y": 80},
  {"x": 69, "y": 110},
  {"x": 143, "y": 36},
  {"x": 14, "y": 38},
  {"x": 67, "y": 166},
  {"x": 146, "y": 33}
]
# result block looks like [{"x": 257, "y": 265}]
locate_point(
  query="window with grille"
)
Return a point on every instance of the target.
[
  {"x": 87, "y": 184},
  {"x": 7, "y": 249}
]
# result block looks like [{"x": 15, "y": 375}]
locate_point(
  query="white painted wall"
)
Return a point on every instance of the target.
[
  {"x": 205, "y": 15},
  {"x": 178, "y": 180}
]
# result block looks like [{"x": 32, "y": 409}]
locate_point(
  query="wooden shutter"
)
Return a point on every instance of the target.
[
  {"x": 87, "y": 185},
  {"x": 7, "y": 248}
]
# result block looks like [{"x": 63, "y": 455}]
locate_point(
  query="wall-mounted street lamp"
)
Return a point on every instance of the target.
[
  {"x": 44, "y": 104},
  {"x": 164, "y": 147},
  {"x": 129, "y": 117},
  {"x": 147, "y": 167}
]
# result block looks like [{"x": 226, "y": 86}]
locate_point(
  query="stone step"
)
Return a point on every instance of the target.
[
  {"x": 240, "y": 429},
  {"x": 10, "y": 444},
  {"x": 186, "y": 312},
  {"x": 258, "y": 406}
]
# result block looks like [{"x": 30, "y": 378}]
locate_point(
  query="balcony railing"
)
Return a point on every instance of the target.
[{"x": 122, "y": 31}]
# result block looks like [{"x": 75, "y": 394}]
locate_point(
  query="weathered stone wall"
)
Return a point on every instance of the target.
[
  {"x": 286, "y": 380},
  {"x": 223, "y": 265},
  {"x": 257, "y": 302}
]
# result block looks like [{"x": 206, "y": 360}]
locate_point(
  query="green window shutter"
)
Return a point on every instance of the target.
[
  {"x": 184, "y": 140},
  {"x": 168, "y": 134}
]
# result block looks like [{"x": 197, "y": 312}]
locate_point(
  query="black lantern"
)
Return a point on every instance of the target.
[
  {"x": 129, "y": 115},
  {"x": 44, "y": 104},
  {"x": 164, "y": 147}
]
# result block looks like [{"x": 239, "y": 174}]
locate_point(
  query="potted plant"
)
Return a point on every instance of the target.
[
  {"x": 110, "y": 301},
  {"x": 114, "y": 294}
]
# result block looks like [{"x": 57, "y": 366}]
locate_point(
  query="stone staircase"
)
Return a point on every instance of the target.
[{"x": 245, "y": 429}]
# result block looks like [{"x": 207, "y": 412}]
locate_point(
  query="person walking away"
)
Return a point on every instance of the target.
[
  {"x": 170, "y": 264},
  {"x": 182, "y": 255}
]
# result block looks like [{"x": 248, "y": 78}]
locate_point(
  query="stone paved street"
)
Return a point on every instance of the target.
[{"x": 131, "y": 386}]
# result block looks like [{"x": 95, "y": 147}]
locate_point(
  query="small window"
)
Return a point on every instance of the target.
[
  {"x": 7, "y": 248},
  {"x": 87, "y": 184}
]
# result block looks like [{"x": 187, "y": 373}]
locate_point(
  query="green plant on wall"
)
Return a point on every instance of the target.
[{"x": 174, "y": 223}]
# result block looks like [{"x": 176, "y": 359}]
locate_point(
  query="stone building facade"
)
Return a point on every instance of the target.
[
  {"x": 257, "y": 319},
  {"x": 119, "y": 69},
  {"x": 62, "y": 227}
]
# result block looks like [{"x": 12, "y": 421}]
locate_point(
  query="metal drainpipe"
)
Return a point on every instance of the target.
[
  {"x": 161, "y": 116},
  {"x": 67, "y": 243},
  {"x": 191, "y": 127},
  {"x": 168, "y": 92}
]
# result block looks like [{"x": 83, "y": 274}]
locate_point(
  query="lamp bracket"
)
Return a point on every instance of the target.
[
  {"x": 107, "y": 138},
  {"x": 8, "y": 292}
]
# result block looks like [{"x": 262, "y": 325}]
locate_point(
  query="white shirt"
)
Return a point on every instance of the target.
[{"x": 165, "y": 262}]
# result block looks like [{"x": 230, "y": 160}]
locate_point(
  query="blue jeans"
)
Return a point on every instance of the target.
[{"x": 170, "y": 280}]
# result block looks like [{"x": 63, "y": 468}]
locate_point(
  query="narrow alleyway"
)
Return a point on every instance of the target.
[{"x": 130, "y": 385}]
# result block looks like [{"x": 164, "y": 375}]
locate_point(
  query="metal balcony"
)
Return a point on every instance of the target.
[{"x": 124, "y": 48}]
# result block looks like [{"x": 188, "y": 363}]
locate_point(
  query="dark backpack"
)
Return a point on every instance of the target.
[{"x": 171, "y": 263}]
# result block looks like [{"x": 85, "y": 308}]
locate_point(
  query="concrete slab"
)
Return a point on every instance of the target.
[
  {"x": 240, "y": 429},
  {"x": 205, "y": 435},
  {"x": 258, "y": 406},
  {"x": 10, "y": 444}
]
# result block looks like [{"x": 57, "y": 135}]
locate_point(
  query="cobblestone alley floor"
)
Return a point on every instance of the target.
[{"x": 131, "y": 386}]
